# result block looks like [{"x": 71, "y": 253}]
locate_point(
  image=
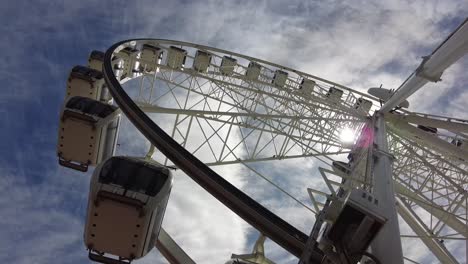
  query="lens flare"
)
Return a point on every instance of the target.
[{"x": 347, "y": 135}]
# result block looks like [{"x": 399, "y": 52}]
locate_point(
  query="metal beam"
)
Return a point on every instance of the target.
[
  {"x": 387, "y": 244},
  {"x": 157, "y": 109},
  {"x": 431, "y": 122},
  {"x": 281, "y": 232},
  {"x": 437, "y": 249},
  {"x": 434, "y": 209},
  {"x": 425, "y": 138},
  {"x": 171, "y": 250},
  {"x": 432, "y": 66}
]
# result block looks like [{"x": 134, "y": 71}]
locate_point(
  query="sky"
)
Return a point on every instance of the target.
[{"x": 357, "y": 43}]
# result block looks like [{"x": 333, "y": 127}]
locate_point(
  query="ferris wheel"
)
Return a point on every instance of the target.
[{"x": 202, "y": 107}]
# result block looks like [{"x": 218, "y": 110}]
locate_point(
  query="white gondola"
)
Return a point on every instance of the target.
[
  {"x": 86, "y": 82},
  {"x": 176, "y": 57},
  {"x": 253, "y": 71},
  {"x": 280, "y": 77},
  {"x": 127, "y": 201},
  {"x": 202, "y": 61},
  {"x": 307, "y": 86},
  {"x": 118, "y": 67},
  {"x": 150, "y": 57},
  {"x": 128, "y": 61},
  {"x": 95, "y": 60},
  {"x": 87, "y": 133},
  {"x": 334, "y": 94},
  {"x": 227, "y": 65},
  {"x": 363, "y": 105}
]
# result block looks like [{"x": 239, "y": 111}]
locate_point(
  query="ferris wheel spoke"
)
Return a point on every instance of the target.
[
  {"x": 433, "y": 65},
  {"x": 411, "y": 154},
  {"x": 260, "y": 126},
  {"x": 440, "y": 211},
  {"x": 281, "y": 125},
  {"x": 245, "y": 117},
  {"x": 423, "y": 233},
  {"x": 246, "y": 92},
  {"x": 443, "y": 136},
  {"x": 296, "y": 114},
  {"x": 258, "y": 134}
]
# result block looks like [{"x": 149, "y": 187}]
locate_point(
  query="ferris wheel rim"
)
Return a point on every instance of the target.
[
  {"x": 281, "y": 232},
  {"x": 107, "y": 59},
  {"x": 301, "y": 73}
]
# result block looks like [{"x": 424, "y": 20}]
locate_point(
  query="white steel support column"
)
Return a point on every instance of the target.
[
  {"x": 171, "y": 250},
  {"x": 387, "y": 244}
]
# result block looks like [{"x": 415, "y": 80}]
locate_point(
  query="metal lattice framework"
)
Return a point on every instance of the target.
[{"x": 236, "y": 119}]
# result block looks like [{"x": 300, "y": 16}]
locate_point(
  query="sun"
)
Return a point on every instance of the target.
[{"x": 347, "y": 135}]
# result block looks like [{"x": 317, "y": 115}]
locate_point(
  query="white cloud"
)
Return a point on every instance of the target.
[{"x": 34, "y": 215}]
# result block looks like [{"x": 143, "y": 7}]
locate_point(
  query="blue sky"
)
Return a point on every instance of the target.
[{"x": 356, "y": 43}]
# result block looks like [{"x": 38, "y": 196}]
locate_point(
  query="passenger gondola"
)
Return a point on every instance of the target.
[
  {"x": 253, "y": 71},
  {"x": 202, "y": 61},
  {"x": 228, "y": 65},
  {"x": 126, "y": 206},
  {"x": 279, "y": 78},
  {"x": 150, "y": 57},
  {"x": 307, "y": 86},
  {"x": 334, "y": 94},
  {"x": 95, "y": 60},
  {"x": 87, "y": 132},
  {"x": 86, "y": 82}
]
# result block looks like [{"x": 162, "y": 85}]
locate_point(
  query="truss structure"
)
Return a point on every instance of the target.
[{"x": 240, "y": 118}]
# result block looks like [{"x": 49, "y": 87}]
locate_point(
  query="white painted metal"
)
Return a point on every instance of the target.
[
  {"x": 171, "y": 250},
  {"x": 387, "y": 245},
  {"x": 307, "y": 86},
  {"x": 437, "y": 248},
  {"x": 86, "y": 82},
  {"x": 451, "y": 124},
  {"x": 449, "y": 150},
  {"x": 363, "y": 105},
  {"x": 437, "y": 211},
  {"x": 128, "y": 57},
  {"x": 384, "y": 94},
  {"x": 280, "y": 78},
  {"x": 432, "y": 66},
  {"x": 253, "y": 71},
  {"x": 227, "y": 65},
  {"x": 150, "y": 57},
  {"x": 277, "y": 122},
  {"x": 422, "y": 202},
  {"x": 202, "y": 61},
  {"x": 176, "y": 57}
]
